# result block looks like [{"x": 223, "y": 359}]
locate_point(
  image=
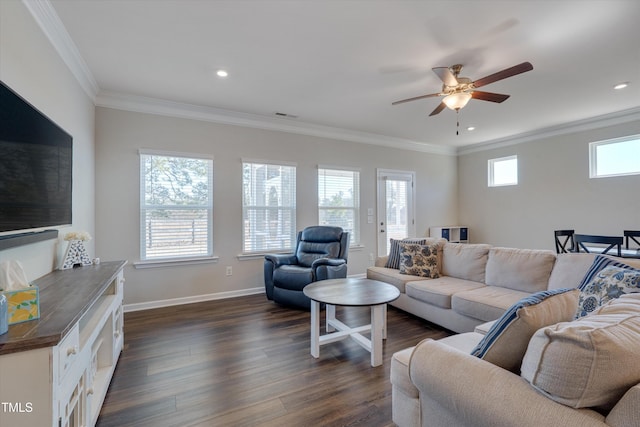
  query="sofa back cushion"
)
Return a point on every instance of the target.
[
  {"x": 590, "y": 362},
  {"x": 526, "y": 270},
  {"x": 569, "y": 269},
  {"x": 465, "y": 261}
]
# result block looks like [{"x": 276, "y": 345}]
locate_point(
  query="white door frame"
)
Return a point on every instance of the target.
[{"x": 382, "y": 175}]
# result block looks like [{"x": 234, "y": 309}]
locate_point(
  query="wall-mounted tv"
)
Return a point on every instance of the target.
[{"x": 35, "y": 167}]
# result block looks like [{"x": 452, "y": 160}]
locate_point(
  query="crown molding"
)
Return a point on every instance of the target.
[
  {"x": 611, "y": 119},
  {"x": 162, "y": 107},
  {"x": 53, "y": 28}
]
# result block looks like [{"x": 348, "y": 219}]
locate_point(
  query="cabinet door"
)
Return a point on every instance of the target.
[{"x": 73, "y": 406}]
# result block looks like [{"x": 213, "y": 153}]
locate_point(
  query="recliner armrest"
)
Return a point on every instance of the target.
[
  {"x": 281, "y": 259},
  {"x": 334, "y": 262}
]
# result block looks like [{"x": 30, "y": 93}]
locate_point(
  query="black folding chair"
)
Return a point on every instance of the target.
[
  {"x": 564, "y": 245},
  {"x": 610, "y": 241}
]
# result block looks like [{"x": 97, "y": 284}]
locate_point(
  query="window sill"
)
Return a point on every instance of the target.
[
  {"x": 247, "y": 257},
  {"x": 174, "y": 262}
]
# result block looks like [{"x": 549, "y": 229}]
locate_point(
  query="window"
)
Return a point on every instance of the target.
[
  {"x": 503, "y": 171},
  {"x": 339, "y": 200},
  {"x": 268, "y": 207},
  {"x": 614, "y": 157},
  {"x": 176, "y": 205}
]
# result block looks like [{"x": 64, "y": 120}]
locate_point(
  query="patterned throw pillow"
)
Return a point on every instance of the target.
[
  {"x": 609, "y": 283},
  {"x": 599, "y": 262},
  {"x": 394, "y": 252},
  {"x": 419, "y": 260}
]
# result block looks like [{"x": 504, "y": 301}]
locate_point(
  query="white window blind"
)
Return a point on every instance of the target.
[
  {"x": 268, "y": 207},
  {"x": 339, "y": 200},
  {"x": 503, "y": 171},
  {"x": 176, "y": 206}
]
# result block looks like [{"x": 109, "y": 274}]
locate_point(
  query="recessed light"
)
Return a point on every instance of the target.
[
  {"x": 470, "y": 128},
  {"x": 222, "y": 73},
  {"x": 621, "y": 85}
]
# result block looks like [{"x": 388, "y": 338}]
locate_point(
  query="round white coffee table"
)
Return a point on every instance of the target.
[{"x": 350, "y": 292}]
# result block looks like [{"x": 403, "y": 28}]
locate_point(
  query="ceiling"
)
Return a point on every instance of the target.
[{"x": 340, "y": 64}]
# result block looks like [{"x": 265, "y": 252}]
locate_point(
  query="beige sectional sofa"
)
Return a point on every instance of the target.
[
  {"x": 440, "y": 383},
  {"x": 478, "y": 282}
]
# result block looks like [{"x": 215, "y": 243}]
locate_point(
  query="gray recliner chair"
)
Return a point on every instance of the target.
[{"x": 320, "y": 254}]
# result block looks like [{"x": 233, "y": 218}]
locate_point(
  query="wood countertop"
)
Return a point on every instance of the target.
[{"x": 65, "y": 295}]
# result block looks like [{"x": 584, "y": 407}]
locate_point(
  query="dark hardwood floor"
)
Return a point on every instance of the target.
[{"x": 245, "y": 362}]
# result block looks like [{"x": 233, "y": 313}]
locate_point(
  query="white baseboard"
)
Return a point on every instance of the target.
[
  {"x": 190, "y": 300},
  {"x": 201, "y": 298}
]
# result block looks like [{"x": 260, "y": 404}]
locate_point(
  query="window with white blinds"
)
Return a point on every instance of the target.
[
  {"x": 176, "y": 205},
  {"x": 339, "y": 200},
  {"x": 268, "y": 207}
]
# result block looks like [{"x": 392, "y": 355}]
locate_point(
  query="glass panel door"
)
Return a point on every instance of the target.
[{"x": 395, "y": 207}]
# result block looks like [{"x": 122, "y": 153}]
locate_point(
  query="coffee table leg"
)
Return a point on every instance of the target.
[
  {"x": 315, "y": 329},
  {"x": 384, "y": 322},
  {"x": 377, "y": 325},
  {"x": 331, "y": 315}
]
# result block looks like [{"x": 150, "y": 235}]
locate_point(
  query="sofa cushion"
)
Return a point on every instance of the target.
[
  {"x": 439, "y": 291},
  {"x": 485, "y": 303},
  {"x": 465, "y": 261},
  {"x": 506, "y": 341},
  {"x": 610, "y": 282},
  {"x": 419, "y": 260},
  {"x": 391, "y": 276},
  {"x": 589, "y": 362},
  {"x": 569, "y": 269},
  {"x": 526, "y": 270}
]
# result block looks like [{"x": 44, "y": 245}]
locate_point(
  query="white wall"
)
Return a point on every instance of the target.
[
  {"x": 119, "y": 135},
  {"x": 30, "y": 66},
  {"x": 554, "y": 192}
]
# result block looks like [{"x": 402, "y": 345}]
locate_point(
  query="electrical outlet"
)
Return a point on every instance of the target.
[{"x": 229, "y": 270}]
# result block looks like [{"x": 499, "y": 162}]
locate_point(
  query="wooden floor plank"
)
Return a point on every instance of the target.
[{"x": 246, "y": 362}]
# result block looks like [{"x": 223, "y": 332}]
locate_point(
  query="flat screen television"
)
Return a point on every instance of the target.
[{"x": 35, "y": 167}]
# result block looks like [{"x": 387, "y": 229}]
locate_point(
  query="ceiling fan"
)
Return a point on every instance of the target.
[{"x": 457, "y": 91}]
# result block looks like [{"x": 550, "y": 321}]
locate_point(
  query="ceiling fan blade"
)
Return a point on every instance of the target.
[
  {"x": 415, "y": 98},
  {"x": 488, "y": 96},
  {"x": 515, "y": 70},
  {"x": 438, "y": 109},
  {"x": 445, "y": 74}
]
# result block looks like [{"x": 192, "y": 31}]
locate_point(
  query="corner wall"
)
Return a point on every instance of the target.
[
  {"x": 32, "y": 67},
  {"x": 554, "y": 192}
]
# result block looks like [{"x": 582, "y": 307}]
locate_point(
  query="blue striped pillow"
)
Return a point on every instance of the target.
[
  {"x": 506, "y": 341},
  {"x": 394, "y": 253}
]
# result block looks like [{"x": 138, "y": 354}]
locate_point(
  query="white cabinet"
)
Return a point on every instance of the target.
[
  {"x": 55, "y": 371},
  {"x": 454, "y": 234}
]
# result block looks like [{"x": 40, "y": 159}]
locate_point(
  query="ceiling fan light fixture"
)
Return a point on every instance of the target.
[{"x": 457, "y": 100}]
